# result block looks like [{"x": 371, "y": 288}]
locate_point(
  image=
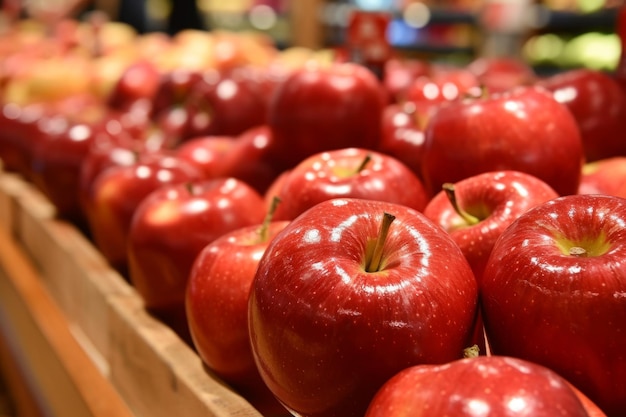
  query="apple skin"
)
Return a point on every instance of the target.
[
  {"x": 470, "y": 387},
  {"x": 599, "y": 107},
  {"x": 225, "y": 104},
  {"x": 249, "y": 159},
  {"x": 107, "y": 149},
  {"x": 335, "y": 174},
  {"x": 207, "y": 152},
  {"x": 604, "y": 176},
  {"x": 321, "y": 108},
  {"x": 18, "y": 135},
  {"x": 500, "y": 73},
  {"x": 217, "y": 310},
  {"x": 524, "y": 129},
  {"x": 57, "y": 156},
  {"x": 326, "y": 334},
  {"x": 564, "y": 308},
  {"x": 173, "y": 89},
  {"x": 494, "y": 198},
  {"x": 403, "y": 132},
  {"x": 138, "y": 82},
  {"x": 169, "y": 228},
  {"x": 398, "y": 75},
  {"x": 443, "y": 84},
  {"x": 118, "y": 190}
]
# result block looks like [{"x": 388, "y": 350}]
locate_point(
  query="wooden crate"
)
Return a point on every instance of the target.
[{"x": 76, "y": 332}]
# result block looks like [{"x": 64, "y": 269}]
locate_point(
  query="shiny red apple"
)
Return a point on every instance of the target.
[
  {"x": 485, "y": 385},
  {"x": 525, "y": 129},
  {"x": 598, "y": 105},
  {"x": 225, "y": 104},
  {"x": 207, "y": 152},
  {"x": 402, "y": 135},
  {"x": 217, "y": 309},
  {"x": 57, "y": 155},
  {"x": 553, "y": 292},
  {"x": 250, "y": 160},
  {"x": 349, "y": 172},
  {"x": 399, "y": 74},
  {"x": 321, "y": 108},
  {"x": 604, "y": 176},
  {"x": 348, "y": 294},
  {"x": 117, "y": 191},
  {"x": 443, "y": 84},
  {"x": 170, "y": 227},
  {"x": 476, "y": 210},
  {"x": 501, "y": 73},
  {"x": 137, "y": 85}
]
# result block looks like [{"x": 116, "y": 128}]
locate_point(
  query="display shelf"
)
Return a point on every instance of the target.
[
  {"x": 560, "y": 21},
  {"x": 77, "y": 334}
]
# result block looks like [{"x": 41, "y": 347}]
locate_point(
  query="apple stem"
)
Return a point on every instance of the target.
[
  {"x": 189, "y": 187},
  {"x": 263, "y": 229},
  {"x": 578, "y": 252},
  {"x": 372, "y": 263},
  {"x": 450, "y": 191},
  {"x": 471, "y": 352},
  {"x": 364, "y": 163}
]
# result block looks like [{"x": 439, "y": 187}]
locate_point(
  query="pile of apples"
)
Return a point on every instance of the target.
[{"x": 332, "y": 243}]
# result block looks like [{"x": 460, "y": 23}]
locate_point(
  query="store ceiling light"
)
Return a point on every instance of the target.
[
  {"x": 262, "y": 17},
  {"x": 416, "y": 15}
]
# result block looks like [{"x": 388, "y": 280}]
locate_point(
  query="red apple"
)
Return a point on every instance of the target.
[
  {"x": 524, "y": 129},
  {"x": 174, "y": 88},
  {"x": 399, "y": 74},
  {"x": 604, "y": 176},
  {"x": 117, "y": 191},
  {"x": 321, "y": 108},
  {"x": 207, "y": 152},
  {"x": 350, "y": 293},
  {"x": 599, "y": 107},
  {"x": 402, "y": 136},
  {"x": 553, "y": 292},
  {"x": 57, "y": 155},
  {"x": 225, "y": 104},
  {"x": 349, "y": 172},
  {"x": 109, "y": 147},
  {"x": 273, "y": 190},
  {"x": 477, "y": 209},
  {"x": 138, "y": 82},
  {"x": 169, "y": 228},
  {"x": 56, "y": 160},
  {"x": 19, "y": 131},
  {"x": 217, "y": 309},
  {"x": 249, "y": 159},
  {"x": 443, "y": 84},
  {"x": 168, "y": 107},
  {"x": 501, "y": 73},
  {"x": 485, "y": 385}
]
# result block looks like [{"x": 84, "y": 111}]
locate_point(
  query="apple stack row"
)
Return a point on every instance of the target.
[{"x": 332, "y": 243}]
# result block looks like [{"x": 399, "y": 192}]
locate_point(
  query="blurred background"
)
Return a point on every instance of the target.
[{"x": 550, "y": 34}]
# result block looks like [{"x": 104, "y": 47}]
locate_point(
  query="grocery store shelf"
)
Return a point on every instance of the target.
[{"x": 602, "y": 20}]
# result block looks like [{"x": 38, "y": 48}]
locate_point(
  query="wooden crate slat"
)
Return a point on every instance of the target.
[
  {"x": 149, "y": 366},
  {"x": 67, "y": 380},
  {"x": 161, "y": 375}
]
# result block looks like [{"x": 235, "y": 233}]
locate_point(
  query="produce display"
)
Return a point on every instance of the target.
[{"x": 331, "y": 242}]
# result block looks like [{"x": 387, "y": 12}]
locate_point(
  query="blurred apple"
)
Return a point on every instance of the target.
[
  {"x": 349, "y": 173},
  {"x": 118, "y": 190}
]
